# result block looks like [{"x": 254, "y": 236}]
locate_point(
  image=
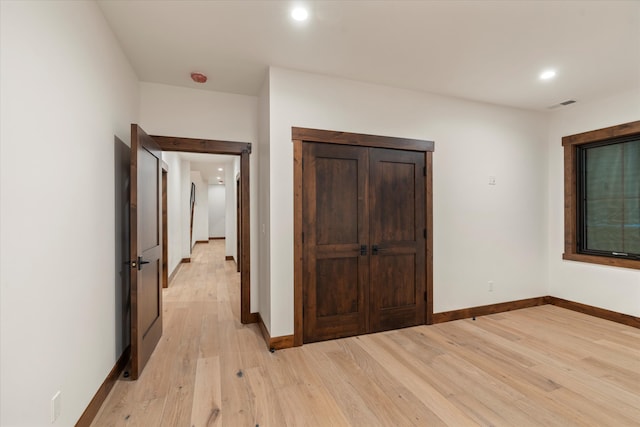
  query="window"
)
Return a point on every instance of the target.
[
  {"x": 609, "y": 198},
  {"x": 602, "y": 196}
]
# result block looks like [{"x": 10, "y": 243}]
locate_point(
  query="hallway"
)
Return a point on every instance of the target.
[
  {"x": 538, "y": 366},
  {"x": 202, "y": 338}
]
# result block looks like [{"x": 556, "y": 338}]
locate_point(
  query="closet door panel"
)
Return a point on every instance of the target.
[
  {"x": 337, "y": 290},
  {"x": 397, "y": 227},
  {"x": 335, "y": 227},
  {"x": 400, "y": 270},
  {"x": 394, "y": 191}
]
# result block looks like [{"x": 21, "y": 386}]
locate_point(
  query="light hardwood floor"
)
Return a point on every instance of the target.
[{"x": 542, "y": 366}]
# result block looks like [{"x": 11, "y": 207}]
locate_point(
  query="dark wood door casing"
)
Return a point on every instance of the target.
[
  {"x": 396, "y": 219},
  {"x": 242, "y": 149}
]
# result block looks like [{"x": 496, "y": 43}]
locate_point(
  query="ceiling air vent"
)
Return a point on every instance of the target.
[{"x": 562, "y": 104}]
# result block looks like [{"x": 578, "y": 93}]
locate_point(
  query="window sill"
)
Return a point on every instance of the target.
[{"x": 593, "y": 259}]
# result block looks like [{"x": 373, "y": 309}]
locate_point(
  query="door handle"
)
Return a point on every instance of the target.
[
  {"x": 140, "y": 262},
  {"x": 374, "y": 250},
  {"x": 363, "y": 250}
]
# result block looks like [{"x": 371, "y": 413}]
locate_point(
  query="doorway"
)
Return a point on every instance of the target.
[
  {"x": 242, "y": 149},
  {"x": 362, "y": 304}
]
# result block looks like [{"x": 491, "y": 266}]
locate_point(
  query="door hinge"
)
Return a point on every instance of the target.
[
  {"x": 425, "y": 233},
  {"x": 425, "y": 295},
  {"x": 424, "y": 171},
  {"x": 302, "y": 237}
]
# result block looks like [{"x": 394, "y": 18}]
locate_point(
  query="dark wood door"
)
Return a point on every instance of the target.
[
  {"x": 397, "y": 235},
  {"x": 146, "y": 248},
  {"x": 335, "y": 228},
  {"x": 364, "y": 243}
]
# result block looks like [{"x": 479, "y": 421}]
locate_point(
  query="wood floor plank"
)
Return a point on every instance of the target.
[
  {"x": 611, "y": 373},
  {"x": 207, "y": 397},
  {"x": 539, "y": 366},
  {"x": 308, "y": 405},
  {"x": 361, "y": 401},
  {"x": 402, "y": 397},
  {"x": 209, "y": 338},
  {"x": 593, "y": 412},
  {"x": 267, "y": 410},
  {"x": 237, "y": 398},
  {"x": 428, "y": 395}
]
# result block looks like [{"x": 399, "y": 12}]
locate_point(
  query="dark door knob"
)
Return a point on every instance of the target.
[
  {"x": 363, "y": 250},
  {"x": 140, "y": 262}
]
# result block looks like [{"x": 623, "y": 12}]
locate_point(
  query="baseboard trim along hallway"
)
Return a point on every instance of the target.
[
  {"x": 103, "y": 392},
  {"x": 275, "y": 343}
]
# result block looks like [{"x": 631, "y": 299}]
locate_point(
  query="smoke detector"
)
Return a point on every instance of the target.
[{"x": 198, "y": 77}]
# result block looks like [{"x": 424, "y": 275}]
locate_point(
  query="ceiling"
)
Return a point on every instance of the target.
[
  {"x": 490, "y": 51},
  {"x": 208, "y": 165}
]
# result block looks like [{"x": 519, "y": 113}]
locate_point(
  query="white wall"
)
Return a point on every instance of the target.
[
  {"x": 174, "y": 209},
  {"x": 201, "y": 209},
  {"x": 179, "y": 179},
  {"x": 612, "y": 288},
  {"x": 185, "y": 208},
  {"x": 230, "y": 216},
  {"x": 264, "y": 105},
  {"x": 66, "y": 90},
  {"x": 496, "y": 232},
  {"x": 176, "y": 111},
  {"x": 217, "y": 210}
]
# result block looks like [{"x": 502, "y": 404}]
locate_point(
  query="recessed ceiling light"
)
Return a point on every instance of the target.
[
  {"x": 218, "y": 178},
  {"x": 220, "y": 169},
  {"x": 300, "y": 14},
  {"x": 547, "y": 75}
]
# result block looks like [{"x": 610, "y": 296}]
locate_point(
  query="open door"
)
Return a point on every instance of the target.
[{"x": 146, "y": 248}]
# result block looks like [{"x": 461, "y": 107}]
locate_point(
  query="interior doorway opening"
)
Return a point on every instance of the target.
[{"x": 243, "y": 150}]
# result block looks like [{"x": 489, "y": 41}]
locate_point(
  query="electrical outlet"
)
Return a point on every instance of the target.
[
  {"x": 55, "y": 407},
  {"x": 490, "y": 285},
  {"x": 492, "y": 180}
]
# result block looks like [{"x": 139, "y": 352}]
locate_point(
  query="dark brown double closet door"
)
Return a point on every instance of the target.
[{"x": 363, "y": 240}]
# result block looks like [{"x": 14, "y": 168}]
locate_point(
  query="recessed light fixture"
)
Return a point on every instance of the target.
[
  {"x": 218, "y": 178},
  {"x": 547, "y": 74},
  {"x": 300, "y": 14},
  {"x": 220, "y": 169}
]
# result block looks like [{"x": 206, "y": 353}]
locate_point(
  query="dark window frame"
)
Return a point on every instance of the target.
[
  {"x": 584, "y": 154},
  {"x": 571, "y": 145}
]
